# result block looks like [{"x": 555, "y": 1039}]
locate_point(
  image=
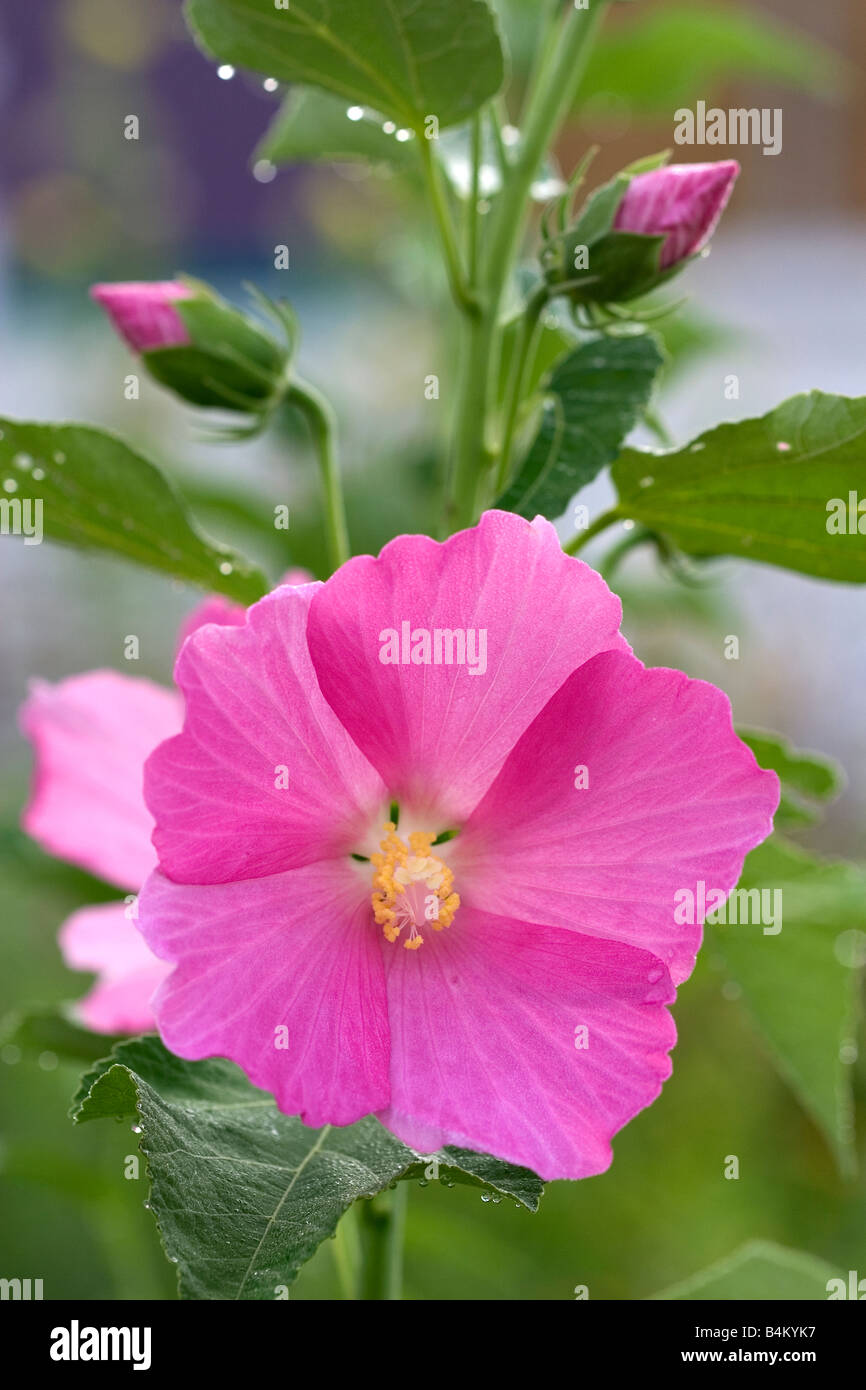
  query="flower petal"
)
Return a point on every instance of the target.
[
  {"x": 438, "y": 733},
  {"x": 143, "y": 312},
  {"x": 673, "y": 797},
  {"x": 263, "y": 777},
  {"x": 91, "y": 735},
  {"x": 685, "y": 201},
  {"x": 104, "y": 939},
  {"x": 294, "y": 951},
  {"x": 484, "y": 1042}
]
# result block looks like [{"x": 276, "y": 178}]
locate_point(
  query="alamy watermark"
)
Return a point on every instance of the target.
[
  {"x": 743, "y": 906},
  {"x": 441, "y": 646},
  {"x": 737, "y": 126},
  {"x": 22, "y": 517}
]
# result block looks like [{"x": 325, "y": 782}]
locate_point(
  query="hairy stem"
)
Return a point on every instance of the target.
[
  {"x": 524, "y": 354},
  {"x": 565, "y": 51},
  {"x": 601, "y": 523},
  {"x": 382, "y": 1222},
  {"x": 322, "y": 424},
  {"x": 460, "y": 290}
]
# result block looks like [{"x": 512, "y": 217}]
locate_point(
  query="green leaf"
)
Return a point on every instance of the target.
[
  {"x": 759, "y": 1270},
  {"x": 49, "y": 1029},
  {"x": 95, "y": 493},
  {"x": 598, "y": 394},
  {"x": 243, "y": 1194},
  {"x": 677, "y": 53},
  {"x": 312, "y": 125},
  {"x": 805, "y": 777},
  {"x": 761, "y": 489},
  {"x": 800, "y": 983},
  {"x": 405, "y": 60}
]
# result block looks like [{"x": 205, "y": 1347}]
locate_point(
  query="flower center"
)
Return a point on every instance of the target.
[{"x": 411, "y": 886}]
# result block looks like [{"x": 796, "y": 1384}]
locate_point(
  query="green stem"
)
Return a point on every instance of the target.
[
  {"x": 600, "y": 524},
  {"x": 463, "y": 295},
  {"x": 524, "y": 354},
  {"x": 382, "y": 1222},
  {"x": 347, "y": 1253},
  {"x": 550, "y": 97},
  {"x": 322, "y": 424},
  {"x": 472, "y": 204}
]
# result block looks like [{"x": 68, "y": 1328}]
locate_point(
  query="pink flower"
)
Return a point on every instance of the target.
[
  {"x": 479, "y": 684},
  {"x": 683, "y": 201},
  {"x": 91, "y": 735},
  {"x": 143, "y": 312}
]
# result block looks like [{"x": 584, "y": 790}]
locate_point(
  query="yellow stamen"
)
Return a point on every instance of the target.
[{"x": 402, "y": 874}]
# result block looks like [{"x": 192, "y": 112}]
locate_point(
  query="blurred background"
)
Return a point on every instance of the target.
[{"x": 779, "y": 304}]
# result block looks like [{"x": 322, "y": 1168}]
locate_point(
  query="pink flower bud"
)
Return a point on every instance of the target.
[
  {"x": 682, "y": 201},
  {"x": 143, "y": 312}
]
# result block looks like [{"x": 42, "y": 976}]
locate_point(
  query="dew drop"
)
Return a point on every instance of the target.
[
  {"x": 403, "y": 136},
  {"x": 647, "y": 482},
  {"x": 485, "y": 1196},
  {"x": 48, "y": 1060},
  {"x": 355, "y": 113},
  {"x": 848, "y": 1052},
  {"x": 226, "y": 567},
  {"x": 136, "y": 1129},
  {"x": 697, "y": 447},
  {"x": 628, "y": 525},
  {"x": 783, "y": 447},
  {"x": 389, "y": 127},
  {"x": 10, "y": 485},
  {"x": 38, "y": 474},
  {"x": 270, "y": 84},
  {"x": 225, "y": 71},
  {"x": 510, "y": 135},
  {"x": 264, "y": 171},
  {"x": 59, "y": 457},
  {"x": 422, "y": 1182}
]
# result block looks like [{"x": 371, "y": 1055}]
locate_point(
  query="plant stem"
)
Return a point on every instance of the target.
[
  {"x": 347, "y": 1253},
  {"x": 382, "y": 1222},
  {"x": 463, "y": 295},
  {"x": 322, "y": 424},
  {"x": 472, "y": 204},
  {"x": 566, "y": 48},
  {"x": 601, "y": 523},
  {"x": 523, "y": 357}
]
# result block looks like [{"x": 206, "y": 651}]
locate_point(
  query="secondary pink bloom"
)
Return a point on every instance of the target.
[
  {"x": 91, "y": 735},
  {"x": 471, "y": 682},
  {"x": 143, "y": 312},
  {"x": 684, "y": 201}
]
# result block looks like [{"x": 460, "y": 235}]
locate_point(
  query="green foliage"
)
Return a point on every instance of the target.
[
  {"x": 406, "y": 61},
  {"x": 596, "y": 396},
  {"x": 94, "y": 492},
  {"x": 760, "y": 488},
  {"x": 243, "y": 1194},
  {"x": 805, "y": 777},
  {"x": 312, "y": 125},
  {"x": 799, "y": 977},
  {"x": 759, "y": 1270},
  {"x": 675, "y": 54}
]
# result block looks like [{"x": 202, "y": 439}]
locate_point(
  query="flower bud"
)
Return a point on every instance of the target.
[
  {"x": 200, "y": 347},
  {"x": 637, "y": 231},
  {"x": 683, "y": 203}
]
